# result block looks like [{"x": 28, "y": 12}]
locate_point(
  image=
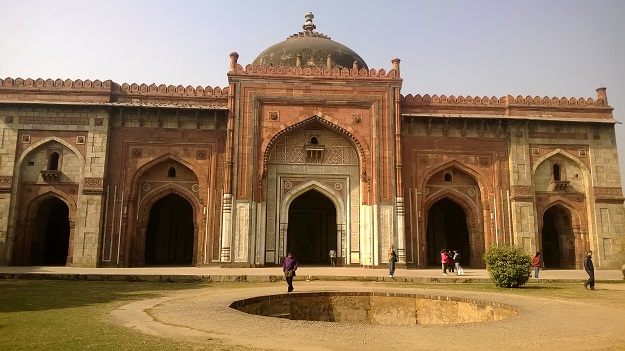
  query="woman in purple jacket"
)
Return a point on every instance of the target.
[{"x": 289, "y": 267}]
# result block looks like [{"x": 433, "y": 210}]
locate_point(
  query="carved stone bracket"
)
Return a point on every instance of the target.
[
  {"x": 609, "y": 194},
  {"x": 50, "y": 176},
  {"x": 5, "y": 184},
  {"x": 93, "y": 186},
  {"x": 521, "y": 192},
  {"x": 559, "y": 185}
]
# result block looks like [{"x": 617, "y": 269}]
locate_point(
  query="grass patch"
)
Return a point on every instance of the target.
[{"x": 72, "y": 315}]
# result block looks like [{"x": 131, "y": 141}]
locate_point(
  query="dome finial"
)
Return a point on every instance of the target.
[{"x": 309, "y": 26}]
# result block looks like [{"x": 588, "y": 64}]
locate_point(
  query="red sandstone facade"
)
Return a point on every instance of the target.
[{"x": 301, "y": 156}]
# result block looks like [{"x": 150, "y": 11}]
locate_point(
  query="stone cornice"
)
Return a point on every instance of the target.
[
  {"x": 508, "y": 100},
  {"x": 509, "y": 107},
  {"x": 323, "y": 72},
  {"x": 68, "y": 92}
]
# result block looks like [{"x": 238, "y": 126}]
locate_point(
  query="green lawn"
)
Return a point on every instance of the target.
[{"x": 72, "y": 315}]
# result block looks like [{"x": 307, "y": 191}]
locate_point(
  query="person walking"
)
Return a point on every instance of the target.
[
  {"x": 536, "y": 264},
  {"x": 392, "y": 259},
  {"x": 590, "y": 269},
  {"x": 332, "y": 257},
  {"x": 289, "y": 266},
  {"x": 444, "y": 261},
  {"x": 456, "y": 259}
]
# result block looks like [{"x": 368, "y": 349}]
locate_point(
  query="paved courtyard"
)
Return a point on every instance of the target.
[{"x": 541, "y": 323}]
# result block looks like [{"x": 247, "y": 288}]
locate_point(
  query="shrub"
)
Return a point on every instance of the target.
[{"x": 508, "y": 266}]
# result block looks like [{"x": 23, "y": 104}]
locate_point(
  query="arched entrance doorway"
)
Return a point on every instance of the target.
[
  {"x": 170, "y": 232},
  {"x": 50, "y": 243},
  {"x": 558, "y": 241},
  {"x": 312, "y": 228},
  {"x": 447, "y": 229}
]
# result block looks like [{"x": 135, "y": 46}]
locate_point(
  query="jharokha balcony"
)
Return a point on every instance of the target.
[
  {"x": 50, "y": 176},
  {"x": 559, "y": 185}
]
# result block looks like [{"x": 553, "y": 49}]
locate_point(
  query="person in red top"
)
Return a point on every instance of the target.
[
  {"x": 444, "y": 261},
  {"x": 536, "y": 264}
]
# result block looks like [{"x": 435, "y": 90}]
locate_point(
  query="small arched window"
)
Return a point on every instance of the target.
[
  {"x": 314, "y": 141},
  {"x": 556, "y": 172},
  {"x": 448, "y": 177},
  {"x": 172, "y": 172},
  {"x": 53, "y": 161}
]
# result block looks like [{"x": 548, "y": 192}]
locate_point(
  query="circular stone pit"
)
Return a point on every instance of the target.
[{"x": 375, "y": 308}]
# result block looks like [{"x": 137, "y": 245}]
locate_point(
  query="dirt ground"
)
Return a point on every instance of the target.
[{"x": 550, "y": 322}]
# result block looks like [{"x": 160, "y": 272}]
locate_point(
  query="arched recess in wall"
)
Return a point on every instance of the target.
[
  {"x": 33, "y": 234},
  {"x": 321, "y": 234},
  {"x": 320, "y": 187},
  {"x": 201, "y": 176},
  {"x": 562, "y": 237},
  {"x": 559, "y": 152},
  {"x": 468, "y": 238},
  {"x": 152, "y": 182},
  {"x": 484, "y": 187},
  {"x": 361, "y": 147},
  {"x": 576, "y": 197},
  {"x": 471, "y": 195},
  {"x": 311, "y": 152},
  {"x": 145, "y": 211},
  {"x": 19, "y": 163},
  {"x": 18, "y": 210}
]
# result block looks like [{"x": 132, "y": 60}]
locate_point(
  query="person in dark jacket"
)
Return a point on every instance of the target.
[
  {"x": 450, "y": 261},
  {"x": 456, "y": 259},
  {"x": 289, "y": 266},
  {"x": 590, "y": 269},
  {"x": 392, "y": 259}
]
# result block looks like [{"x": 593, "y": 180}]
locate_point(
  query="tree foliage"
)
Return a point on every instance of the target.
[{"x": 508, "y": 266}]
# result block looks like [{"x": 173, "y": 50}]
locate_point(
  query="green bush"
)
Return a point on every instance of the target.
[{"x": 508, "y": 266}]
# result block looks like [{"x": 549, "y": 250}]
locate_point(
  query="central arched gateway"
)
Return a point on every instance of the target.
[
  {"x": 312, "y": 176},
  {"x": 312, "y": 230}
]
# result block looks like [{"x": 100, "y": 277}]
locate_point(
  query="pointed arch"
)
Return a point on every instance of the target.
[
  {"x": 23, "y": 247},
  {"x": 562, "y": 239},
  {"x": 567, "y": 155},
  {"x": 473, "y": 242},
  {"x": 199, "y": 173},
  {"x": 568, "y": 205},
  {"x": 321, "y": 188},
  {"x": 459, "y": 198},
  {"x": 477, "y": 176},
  {"x": 137, "y": 235},
  {"x": 361, "y": 147},
  {"x": 159, "y": 193},
  {"x": 36, "y": 202},
  {"x": 37, "y": 145}
]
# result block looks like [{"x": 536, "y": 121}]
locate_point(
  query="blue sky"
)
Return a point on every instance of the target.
[{"x": 478, "y": 48}]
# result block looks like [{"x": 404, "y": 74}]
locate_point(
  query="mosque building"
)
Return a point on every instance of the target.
[{"x": 307, "y": 149}]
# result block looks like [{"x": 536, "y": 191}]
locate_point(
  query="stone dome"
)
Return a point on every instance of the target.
[{"x": 314, "y": 49}]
